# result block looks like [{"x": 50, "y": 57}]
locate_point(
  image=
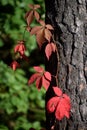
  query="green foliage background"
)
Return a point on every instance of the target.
[{"x": 21, "y": 106}]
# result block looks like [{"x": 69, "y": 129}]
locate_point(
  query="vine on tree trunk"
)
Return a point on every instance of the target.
[{"x": 60, "y": 103}]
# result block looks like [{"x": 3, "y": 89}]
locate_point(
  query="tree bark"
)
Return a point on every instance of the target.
[{"x": 69, "y": 19}]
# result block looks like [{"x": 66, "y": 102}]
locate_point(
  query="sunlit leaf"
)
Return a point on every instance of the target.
[
  {"x": 39, "y": 83},
  {"x": 37, "y": 16},
  {"x": 52, "y": 104},
  {"x": 57, "y": 91},
  {"x": 33, "y": 78},
  {"x": 50, "y": 47}
]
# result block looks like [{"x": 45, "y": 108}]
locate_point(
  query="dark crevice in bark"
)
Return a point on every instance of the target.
[
  {"x": 73, "y": 47},
  {"x": 85, "y": 59},
  {"x": 86, "y": 5},
  {"x": 67, "y": 72},
  {"x": 85, "y": 74}
]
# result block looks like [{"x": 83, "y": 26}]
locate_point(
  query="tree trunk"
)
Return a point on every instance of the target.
[{"x": 69, "y": 19}]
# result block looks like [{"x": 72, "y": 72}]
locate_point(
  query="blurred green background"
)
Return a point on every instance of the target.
[{"x": 21, "y": 106}]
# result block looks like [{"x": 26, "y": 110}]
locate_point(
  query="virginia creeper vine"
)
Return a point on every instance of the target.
[{"x": 60, "y": 103}]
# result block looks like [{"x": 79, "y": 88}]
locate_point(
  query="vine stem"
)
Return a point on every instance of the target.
[{"x": 57, "y": 81}]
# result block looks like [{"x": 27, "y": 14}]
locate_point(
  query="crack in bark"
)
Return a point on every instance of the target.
[{"x": 73, "y": 47}]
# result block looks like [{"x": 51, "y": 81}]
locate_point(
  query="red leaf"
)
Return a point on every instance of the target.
[
  {"x": 50, "y": 47},
  {"x": 66, "y": 97},
  {"x": 46, "y": 80},
  {"x": 42, "y": 22},
  {"x": 20, "y": 48},
  {"x": 45, "y": 83},
  {"x": 33, "y": 78},
  {"x": 60, "y": 104},
  {"x": 48, "y": 50},
  {"x": 57, "y": 91},
  {"x": 35, "y": 30},
  {"x": 48, "y": 34},
  {"x": 49, "y": 27},
  {"x": 38, "y": 69},
  {"x": 29, "y": 17},
  {"x": 67, "y": 100},
  {"x": 39, "y": 83},
  {"x": 53, "y": 46},
  {"x": 63, "y": 109},
  {"x": 16, "y": 48},
  {"x": 36, "y": 6},
  {"x": 14, "y": 65},
  {"x": 37, "y": 16},
  {"x": 40, "y": 37},
  {"x": 52, "y": 104},
  {"x": 60, "y": 110},
  {"x": 47, "y": 75}
]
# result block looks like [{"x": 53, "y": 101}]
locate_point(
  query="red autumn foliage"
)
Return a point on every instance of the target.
[
  {"x": 14, "y": 65},
  {"x": 32, "y": 13},
  {"x": 41, "y": 77},
  {"x": 38, "y": 69},
  {"x": 20, "y": 47},
  {"x": 60, "y": 104},
  {"x": 42, "y": 32},
  {"x": 50, "y": 47}
]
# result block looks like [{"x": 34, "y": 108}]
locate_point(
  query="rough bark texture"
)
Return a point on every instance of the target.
[{"x": 69, "y": 19}]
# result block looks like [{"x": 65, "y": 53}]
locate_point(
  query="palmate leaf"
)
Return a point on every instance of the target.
[
  {"x": 41, "y": 77},
  {"x": 42, "y": 32},
  {"x": 63, "y": 109},
  {"x": 20, "y": 48},
  {"x": 29, "y": 16},
  {"x": 39, "y": 32},
  {"x": 59, "y": 104}
]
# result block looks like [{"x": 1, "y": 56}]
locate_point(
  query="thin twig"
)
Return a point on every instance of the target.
[{"x": 57, "y": 66}]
